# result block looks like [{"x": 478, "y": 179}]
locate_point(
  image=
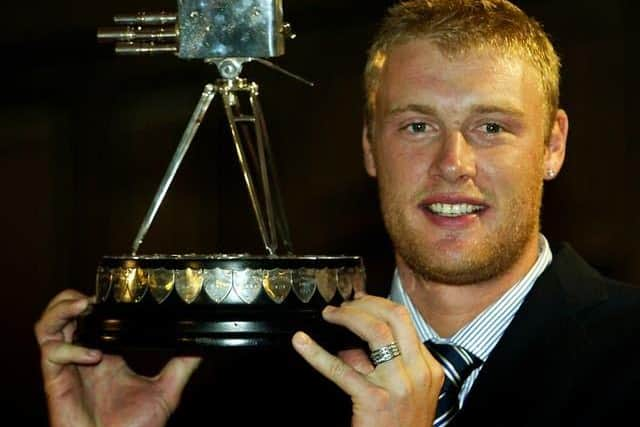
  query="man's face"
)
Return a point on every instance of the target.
[{"x": 460, "y": 156}]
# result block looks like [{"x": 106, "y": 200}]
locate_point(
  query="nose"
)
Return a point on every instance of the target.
[{"x": 455, "y": 159}]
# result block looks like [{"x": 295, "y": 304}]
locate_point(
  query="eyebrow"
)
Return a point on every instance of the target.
[
  {"x": 476, "y": 109},
  {"x": 506, "y": 109},
  {"x": 418, "y": 108}
]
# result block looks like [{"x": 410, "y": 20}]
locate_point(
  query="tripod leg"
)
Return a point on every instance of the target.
[
  {"x": 269, "y": 243},
  {"x": 277, "y": 218},
  {"x": 190, "y": 131},
  {"x": 258, "y": 146}
]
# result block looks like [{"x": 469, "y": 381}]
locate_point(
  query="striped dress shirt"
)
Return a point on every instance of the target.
[{"x": 481, "y": 335}]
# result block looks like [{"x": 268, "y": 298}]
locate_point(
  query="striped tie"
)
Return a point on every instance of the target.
[{"x": 458, "y": 364}]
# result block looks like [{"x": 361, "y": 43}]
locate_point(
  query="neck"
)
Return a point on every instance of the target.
[{"x": 446, "y": 307}]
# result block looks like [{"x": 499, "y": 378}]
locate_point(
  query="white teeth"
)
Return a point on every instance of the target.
[{"x": 457, "y": 209}]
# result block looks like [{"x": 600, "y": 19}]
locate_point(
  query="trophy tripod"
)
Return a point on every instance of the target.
[
  {"x": 193, "y": 302},
  {"x": 263, "y": 188}
]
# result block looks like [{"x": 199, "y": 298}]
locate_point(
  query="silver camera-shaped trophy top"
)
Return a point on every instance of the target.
[{"x": 194, "y": 302}]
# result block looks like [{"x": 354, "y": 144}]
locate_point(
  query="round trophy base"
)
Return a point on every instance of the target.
[
  {"x": 193, "y": 303},
  {"x": 118, "y": 328}
]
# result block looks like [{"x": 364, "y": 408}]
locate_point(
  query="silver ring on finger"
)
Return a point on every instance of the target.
[{"x": 384, "y": 354}]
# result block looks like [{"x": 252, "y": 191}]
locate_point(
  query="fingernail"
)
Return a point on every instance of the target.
[
  {"x": 301, "y": 339},
  {"x": 329, "y": 309},
  {"x": 86, "y": 307},
  {"x": 92, "y": 354},
  {"x": 82, "y": 304}
]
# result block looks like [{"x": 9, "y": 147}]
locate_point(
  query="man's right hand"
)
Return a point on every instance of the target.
[{"x": 85, "y": 387}]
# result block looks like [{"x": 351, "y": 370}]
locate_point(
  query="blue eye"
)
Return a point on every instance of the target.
[
  {"x": 416, "y": 127},
  {"x": 492, "y": 128}
]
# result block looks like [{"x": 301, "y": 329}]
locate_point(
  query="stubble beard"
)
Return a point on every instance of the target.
[{"x": 489, "y": 256}]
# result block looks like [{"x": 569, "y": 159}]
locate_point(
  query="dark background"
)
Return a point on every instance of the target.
[{"x": 85, "y": 137}]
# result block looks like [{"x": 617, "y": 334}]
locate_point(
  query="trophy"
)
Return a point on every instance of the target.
[{"x": 191, "y": 302}]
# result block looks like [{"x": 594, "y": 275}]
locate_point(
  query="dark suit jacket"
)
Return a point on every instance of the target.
[
  {"x": 565, "y": 360},
  {"x": 568, "y": 358}
]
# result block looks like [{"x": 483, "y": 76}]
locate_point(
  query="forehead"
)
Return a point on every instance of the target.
[{"x": 419, "y": 69}]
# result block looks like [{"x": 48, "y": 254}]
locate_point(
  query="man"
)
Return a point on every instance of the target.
[{"x": 462, "y": 129}]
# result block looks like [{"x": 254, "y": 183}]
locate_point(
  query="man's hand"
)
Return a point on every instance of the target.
[
  {"x": 400, "y": 392},
  {"x": 87, "y": 388}
]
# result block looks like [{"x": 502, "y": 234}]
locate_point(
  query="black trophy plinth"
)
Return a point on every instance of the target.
[{"x": 190, "y": 304}]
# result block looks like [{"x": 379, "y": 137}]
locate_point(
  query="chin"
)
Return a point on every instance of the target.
[{"x": 459, "y": 276}]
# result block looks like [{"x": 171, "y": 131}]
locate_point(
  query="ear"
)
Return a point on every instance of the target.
[
  {"x": 555, "y": 149},
  {"x": 367, "y": 150}
]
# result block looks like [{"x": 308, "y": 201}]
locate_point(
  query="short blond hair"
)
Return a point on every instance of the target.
[{"x": 458, "y": 26}]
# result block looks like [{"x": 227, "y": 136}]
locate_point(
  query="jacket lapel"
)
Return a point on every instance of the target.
[{"x": 528, "y": 376}]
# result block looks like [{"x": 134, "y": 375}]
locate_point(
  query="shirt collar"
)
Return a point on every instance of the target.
[{"x": 482, "y": 334}]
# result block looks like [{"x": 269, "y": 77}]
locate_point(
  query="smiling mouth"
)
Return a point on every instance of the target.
[{"x": 453, "y": 209}]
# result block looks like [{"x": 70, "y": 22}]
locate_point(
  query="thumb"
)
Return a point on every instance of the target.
[{"x": 174, "y": 378}]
